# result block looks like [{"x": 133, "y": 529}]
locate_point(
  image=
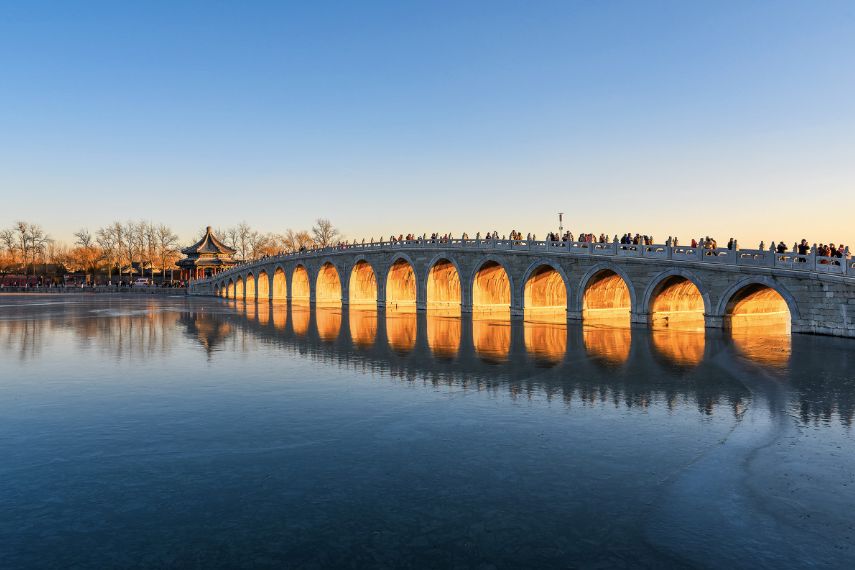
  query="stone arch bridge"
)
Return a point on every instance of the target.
[{"x": 653, "y": 284}]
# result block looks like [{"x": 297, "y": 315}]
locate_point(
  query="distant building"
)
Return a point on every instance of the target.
[{"x": 206, "y": 257}]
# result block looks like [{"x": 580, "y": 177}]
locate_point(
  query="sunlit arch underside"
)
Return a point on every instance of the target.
[
  {"x": 328, "y": 287},
  {"x": 250, "y": 286},
  {"x": 230, "y": 290},
  {"x": 677, "y": 302},
  {"x": 545, "y": 343},
  {"x": 491, "y": 290},
  {"x": 759, "y": 320},
  {"x": 401, "y": 287},
  {"x": 401, "y": 331},
  {"x": 679, "y": 346},
  {"x": 492, "y": 339},
  {"x": 363, "y": 325},
  {"x": 606, "y": 300},
  {"x": 546, "y": 296},
  {"x": 443, "y": 289},
  {"x": 300, "y": 289},
  {"x": 610, "y": 344},
  {"x": 443, "y": 335},
  {"x": 263, "y": 285},
  {"x": 280, "y": 285},
  {"x": 239, "y": 290},
  {"x": 328, "y": 320},
  {"x": 362, "y": 285}
]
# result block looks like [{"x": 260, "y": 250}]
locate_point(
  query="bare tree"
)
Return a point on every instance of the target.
[
  {"x": 108, "y": 241},
  {"x": 324, "y": 233},
  {"x": 167, "y": 248}
]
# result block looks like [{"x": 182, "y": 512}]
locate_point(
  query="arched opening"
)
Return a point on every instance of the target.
[
  {"x": 759, "y": 320},
  {"x": 263, "y": 286},
  {"x": 300, "y": 316},
  {"x": 230, "y": 290},
  {"x": 401, "y": 287},
  {"x": 300, "y": 288},
  {"x": 329, "y": 323},
  {"x": 606, "y": 300},
  {"x": 679, "y": 346},
  {"x": 280, "y": 286},
  {"x": 363, "y": 285},
  {"x": 608, "y": 344},
  {"x": 363, "y": 325},
  {"x": 492, "y": 339},
  {"x": 677, "y": 302},
  {"x": 443, "y": 288},
  {"x": 328, "y": 287},
  {"x": 545, "y": 343},
  {"x": 250, "y": 286},
  {"x": 546, "y": 296},
  {"x": 239, "y": 291},
  {"x": 443, "y": 335},
  {"x": 491, "y": 290},
  {"x": 401, "y": 331}
]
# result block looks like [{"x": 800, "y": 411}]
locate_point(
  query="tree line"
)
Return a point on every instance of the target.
[{"x": 134, "y": 248}]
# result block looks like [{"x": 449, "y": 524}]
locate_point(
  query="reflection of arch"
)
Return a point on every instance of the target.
[
  {"x": 263, "y": 285},
  {"x": 328, "y": 321},
  {"x": 300, "y": 316},
  {"x": 363, "y": 326},
  {"x": 545, "y": 343},
  {"x": 609, "y": 345},
  {"x": 280, "y": 285},
  {"x": 678, "y": 347},
  {"x": 401, "y": 331},
  {"x": 239, "y": 289},
  {"x": 545, "y": 289},
  {"x": 606, "y": 291},
  {"x": 492, "y": 286},
  {"x": 328, "y": 285},
  {"x": 756, "y": 300},
  {"x": 300, "y": 289},
  {"x": 492, "y": 339},
  {"x": 444, "y": 290},
  {"x": 401, "y": 291},
  {"x": 676, "y": 296},
  {"x": 249, "y": 291},
  {"x": 362, "y": 286},
  {"x": 443, "y": 335}
]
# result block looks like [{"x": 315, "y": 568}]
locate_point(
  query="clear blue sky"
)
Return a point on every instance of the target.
[{"x": 722, "y": 118}]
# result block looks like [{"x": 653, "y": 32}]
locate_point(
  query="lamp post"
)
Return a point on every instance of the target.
[{"x": 560, "y": 223}]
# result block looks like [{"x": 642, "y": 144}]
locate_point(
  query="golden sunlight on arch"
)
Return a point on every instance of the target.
[
  {"x": 239, "y": 290},
  {"x": 280, "y": 286},
  {"x": 677, "y": 303},
  {"x": 300, "y": 288},
  {"x": 546, "y": 296},
  {"x": 363, "y": 325},
  {"x": 606, "y": 300},
  {"x": 443, "y": 335},
  {"x": 250, "y": 286},
  {"x": 760, "y": 323},
  {"x": 545, "y": 343},
  {"x": 491, "y": 290},
  {"x": 492, "y": 339},
  {"x": 443, "y": 288},
  {"x": 401, "y": 287},
  {"x": 263, "y": 285},
  {"x": 328, "y": 287},
  {"x": 362, "y": 285},
  {"x": 230, "y": 290},
  {"x": 401, "y": 331}
]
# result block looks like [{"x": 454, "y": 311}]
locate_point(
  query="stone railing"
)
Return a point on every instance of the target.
[{"x": 810, "y": 263}]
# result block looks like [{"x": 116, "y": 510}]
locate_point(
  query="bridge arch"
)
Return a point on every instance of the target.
[
  {"x": 216, "y": 290},
  {"x": 262, "y": 284},
  {"x": 328, "y": 288},
  {"x": 301, "y": 289},
  {"x": 240, "y": 293},
  {"x": 757, "y": 300},
  {"x": 606, "y": 291},
  {"x": 443, "y": 287},
  {"x": 249, "y": 291},
  {"x": 279, "y": 290},
  {"x": 676, "y": 297},
  {"x": 545, "y": 290},
  {"x": 362, "y": 286},
  {"x": 230, "y": 290},
  {"x": 402, "y": 290},
  {"x": 492, "y": 286}
]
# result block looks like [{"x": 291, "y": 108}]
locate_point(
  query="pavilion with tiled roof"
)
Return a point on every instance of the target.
[{"x": 206, "y": 257}]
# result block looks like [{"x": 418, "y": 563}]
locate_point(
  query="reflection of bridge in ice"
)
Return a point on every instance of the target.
[
  {"x": 632, "y": 366},
  {"x": 657, "y": 285}
]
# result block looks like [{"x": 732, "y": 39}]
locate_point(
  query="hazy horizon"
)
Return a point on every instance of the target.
[{"x": 726, "y": 119}]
